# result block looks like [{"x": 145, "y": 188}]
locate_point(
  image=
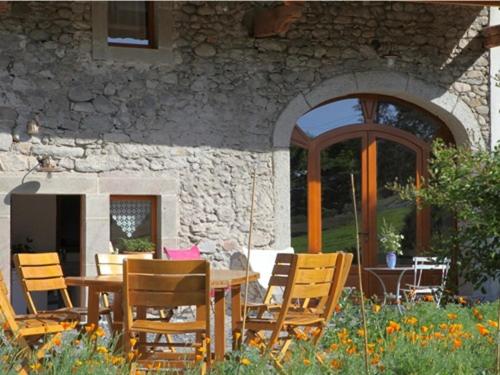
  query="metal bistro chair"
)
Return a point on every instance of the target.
[{"x": 425, "y": 264}]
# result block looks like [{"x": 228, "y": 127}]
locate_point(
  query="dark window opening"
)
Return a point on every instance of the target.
[{"x": 131, "y": 24}]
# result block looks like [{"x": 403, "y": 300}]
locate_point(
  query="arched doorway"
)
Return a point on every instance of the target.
[{"x": 379, "y": 139}]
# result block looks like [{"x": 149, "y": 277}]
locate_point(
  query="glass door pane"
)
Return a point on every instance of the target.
[
  {"x": 396, "y": 162},
  {"x": 338, "y": 226},
  {"x": 298, "y": 196}
]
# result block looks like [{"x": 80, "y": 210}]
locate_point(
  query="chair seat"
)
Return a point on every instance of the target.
[
  {"x": 30, "y": 326},
  {"x": 142, "y": 325},
  {"x": 80, "y": 310},
  {"x": 58, "y": 317},
  {"x": 258, "y": 324}
]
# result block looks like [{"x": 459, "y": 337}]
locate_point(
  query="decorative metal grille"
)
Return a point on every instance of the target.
[{"x": 129, "y": 215}]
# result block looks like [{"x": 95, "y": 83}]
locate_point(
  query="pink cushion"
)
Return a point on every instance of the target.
[{"x": 183, "y": 254}]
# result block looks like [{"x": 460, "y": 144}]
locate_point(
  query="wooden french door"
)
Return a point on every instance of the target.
[{"x": 376, "y": 156}]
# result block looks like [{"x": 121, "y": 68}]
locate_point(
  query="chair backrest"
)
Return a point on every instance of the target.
[
  {"x": 318, "y": 277},
  {"x": 264, "y": 262},
  {"x": 421, "y": 264},
  {"x": 112, "y": 264},
  {"x": 279, "y": 275},
  {"x": 6, "y": 309},
  {"x": 165, "y": 284},
  {"x": 41, "y": 272},
  {"x": 183, "y": 254}
]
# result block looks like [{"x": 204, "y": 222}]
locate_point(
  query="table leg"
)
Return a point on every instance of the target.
[
  {"x": 236, "y": 314},
  {"x": 219, "y": 329},
  {"x": 398, "y": 291},
  {"x": 381, "y": 284},
  {"x": 117, "y": 312},
  {"x": 93, "y": 310}
]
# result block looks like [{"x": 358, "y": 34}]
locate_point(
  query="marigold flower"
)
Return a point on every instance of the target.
[
  {"x": 443, "y": 326},
  {"x": 198, "y": 357},
  {"x": 130, "y": 356},
  {"x": 361, "y": 332},
  {"x": 245, "y": 361},
  {"x": 492, "y": 323},
  {"x": 306, "y": 362},
  {"x": 376, "y": 308},
  {"x": 300, "y": 335},
  {"x": 392, "y": 327},
  {"x": 424, "y": 329},
  {"x": 457, "y": 343},
  {"x": 428, "y": 298},
  {"x": 375, "y": 360},
  {"x": 316, "y": 332},
  {"x": 483, "y": 331},
  {"x": 334, "y": 346},
  {"x": 477, "y": 314},
  {"x": 99, "y": 332},
  {"x": 56, "y": 341},
  {"x": 89, "y": 327},
  {"x": 351, "y": 350},
  {"x": 101, "y": 349},
  {"x": 36, "y": 366},
  {"x": 336, "y": 364},
  {"x": 462, "y": 301},
  {"x": 452, "y": 316},
  {"x": 411, "y": 320}
]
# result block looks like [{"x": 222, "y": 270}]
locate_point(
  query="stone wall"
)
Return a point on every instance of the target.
[{"x": 208, "y": 118}]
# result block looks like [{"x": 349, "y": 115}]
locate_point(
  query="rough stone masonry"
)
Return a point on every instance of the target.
[{"x": 208, "y": 117}]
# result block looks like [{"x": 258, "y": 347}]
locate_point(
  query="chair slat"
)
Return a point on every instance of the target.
[
  {"x": 310, "y": 290},
  {"x": 167, "y": 283},
  {"x": 308, "y": 275},
  {"x": 37, "y": 285},
  {"x": 317, "y": 260},
  {"x": 284, "y": 258},
  {"x": 41, "y": 272},
  {"x": 38, "y": 259},
  {"x": 278, "y": 281},
  {"x": 281, "y": 269}
]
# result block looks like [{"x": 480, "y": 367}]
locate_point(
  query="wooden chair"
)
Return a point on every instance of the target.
[
  {"x": 167, "y": 284},
  {"x": 313, "y": 277},
  {"x": 42, "y": 272},
  {"x": 29, "y": 330}
]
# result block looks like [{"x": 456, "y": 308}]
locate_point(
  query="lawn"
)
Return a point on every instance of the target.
[
  {"x": 458, "y": 339},
  {"x": 341, "y": 237}
]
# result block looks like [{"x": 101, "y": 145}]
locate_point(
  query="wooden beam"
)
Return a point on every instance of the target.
[
  {"x": 492, "y": 36},
  {"x": 276, "y": 20}
]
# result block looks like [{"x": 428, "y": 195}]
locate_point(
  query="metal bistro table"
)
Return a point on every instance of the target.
[
  {"x": 220, "y": 281},
  {"x": 401, "y": 270}
]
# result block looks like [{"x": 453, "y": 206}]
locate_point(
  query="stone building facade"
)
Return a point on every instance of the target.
[{"x": 191, "y": 124}]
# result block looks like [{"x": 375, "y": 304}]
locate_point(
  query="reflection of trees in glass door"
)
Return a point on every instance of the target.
[{"x": 379, "y": 140}]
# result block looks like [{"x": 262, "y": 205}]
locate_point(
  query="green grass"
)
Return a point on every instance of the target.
[{"x": 342, "y": 237}]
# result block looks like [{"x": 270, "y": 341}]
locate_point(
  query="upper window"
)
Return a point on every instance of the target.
[
  {"x": 145, "y": 28},
  {"x": 331, "y": 116},
  {"x": 369, "y": 109},
  {"x": 131, "y": 23}
]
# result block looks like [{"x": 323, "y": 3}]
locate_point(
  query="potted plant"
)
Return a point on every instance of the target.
[
  {"x": 390, "y": 243},
  {"x": 136, "y": 245}
]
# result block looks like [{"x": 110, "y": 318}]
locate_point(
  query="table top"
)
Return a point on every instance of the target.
[{"x": 219, "y": 279}]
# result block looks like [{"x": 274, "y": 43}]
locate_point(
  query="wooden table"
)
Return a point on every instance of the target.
[{"x": 220, "y": 281}]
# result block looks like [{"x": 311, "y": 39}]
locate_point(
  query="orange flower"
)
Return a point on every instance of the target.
[
  {"x": 462, "y": 301},
  {"x": 411, "y": 320},
  {"x": 492, "y": 323},
  {"x": 457, "y": 343},
  {"x": 338, "y": 308},
  {"x": 334, "y": 346},
  {"x": 361, "y": 332},
  {"x": 101, "y": 349},
  {"x": 336, "y": 364},
  {"x": 392, "y": 327},
  {"x": 89, "y": 327},
  {"x": 300, "y": 335},
  {"x": 428, "y": 298},
  {"x": 376, "y": 308},
  {"x": 57, "y": 341},
  {"x": 477, "y": 314},
  {"x": 130, "y": 356},
  {"x": 443, "y": 326},
  {"x": 375, "y": 360},
  {"x": 237, "y": 335},
  {"x": 351, "y": 350},
  {"x": 483, "y": 331},
  {"x": 452, "y": 316},
  {"x": 245, "y": 361},
  {"x": 306, "y": 362},
  {"x": 424, "y": 329},
  {"x": 198, "y": 357},
  {"x": 316, "y": 332},
  {"x": 133, "y": 341}
]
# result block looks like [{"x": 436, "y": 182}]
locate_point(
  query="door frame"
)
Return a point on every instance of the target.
[{"x": 368, "y": 133}]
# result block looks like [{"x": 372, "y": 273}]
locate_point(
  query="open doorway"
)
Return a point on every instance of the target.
[{"x": 46, "y": 223}]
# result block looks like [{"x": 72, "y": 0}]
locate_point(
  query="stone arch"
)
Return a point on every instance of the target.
[{"x": 437, "y": 100}]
